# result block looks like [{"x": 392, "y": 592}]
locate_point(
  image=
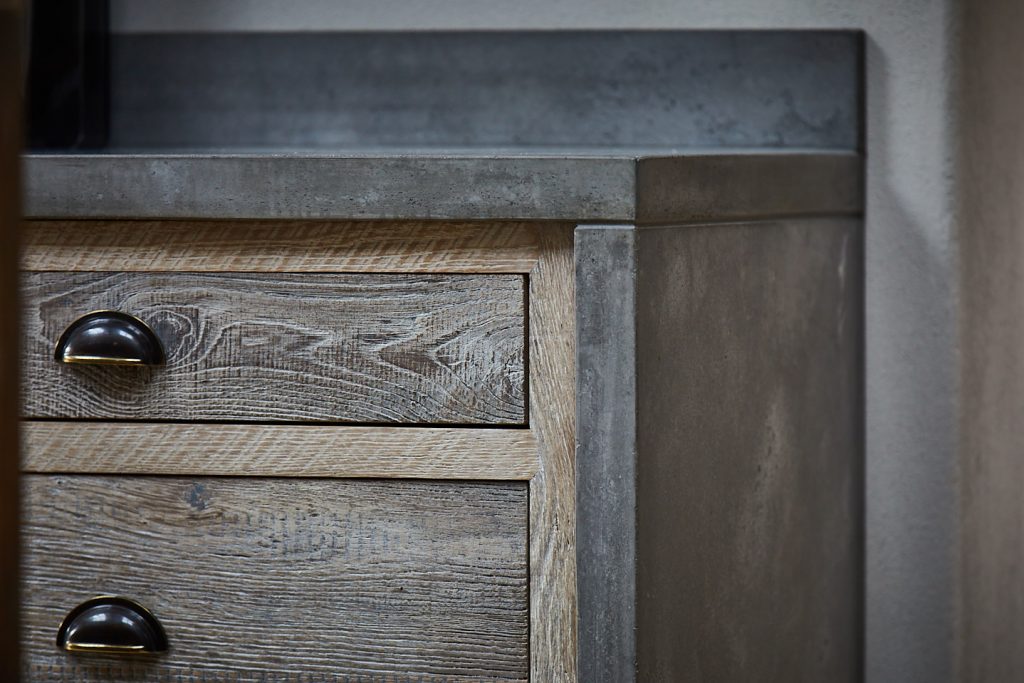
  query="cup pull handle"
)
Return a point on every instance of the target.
[
  {"x": 109, "y": 338},
  {"x": 110, "y": 624}
]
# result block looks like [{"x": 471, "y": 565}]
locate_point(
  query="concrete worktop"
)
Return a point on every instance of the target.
[{"x": 616, "y": 185}]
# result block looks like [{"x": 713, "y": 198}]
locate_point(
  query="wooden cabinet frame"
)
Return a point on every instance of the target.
[{"x": 542, "y": 453}]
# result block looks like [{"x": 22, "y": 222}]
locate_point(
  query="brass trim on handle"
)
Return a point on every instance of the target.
[
  {"x": 109, "y": 338},
  {"x": 100, "y": 360},
  {"x": 111, "y": 624},
  {"x": 101, "y": 647}
]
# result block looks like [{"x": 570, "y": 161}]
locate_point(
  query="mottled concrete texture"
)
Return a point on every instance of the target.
[
  {"x": 741, "y": 435},
  {"x": 509, "y": 185},
  {"x": 694, "y": 187},
  {"x": 606, "y": 453},
  {"x": 665, "y": 89}
]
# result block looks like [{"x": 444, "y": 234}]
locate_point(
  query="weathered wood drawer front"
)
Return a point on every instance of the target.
[
  {"x": 255, "y": 579},
  {"x": 373, "y": 348}
]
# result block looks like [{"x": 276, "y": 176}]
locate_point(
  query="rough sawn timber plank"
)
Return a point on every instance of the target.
[
  {"x": 373, "y": 348},
  {"x": 281, "y": 246},
  {"x": 279, "y": 450},
  {"x": 396, "y": 581},
  {"x": 553, "y": 489}
]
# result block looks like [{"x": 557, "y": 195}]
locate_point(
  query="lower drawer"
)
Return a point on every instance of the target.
[{"x": 259, "y": 579}]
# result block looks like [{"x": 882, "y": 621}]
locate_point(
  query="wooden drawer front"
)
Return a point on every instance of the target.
[
  {"x": 255, "y": 579},
  {"x": 373, "y": 348}
]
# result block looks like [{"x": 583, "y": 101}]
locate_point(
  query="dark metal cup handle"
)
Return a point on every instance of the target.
[
  {"x": 109, "y": 338},
  {"x": 110, "y": 624}
]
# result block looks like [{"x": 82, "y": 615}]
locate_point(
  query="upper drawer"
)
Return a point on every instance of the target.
[{"x": 254, "y": 347}]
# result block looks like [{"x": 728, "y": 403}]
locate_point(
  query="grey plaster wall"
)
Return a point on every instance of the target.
[{"x": 910, "y": 254}]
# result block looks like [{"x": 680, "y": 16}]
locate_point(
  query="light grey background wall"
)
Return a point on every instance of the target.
[{"x": 911, "y": 262}]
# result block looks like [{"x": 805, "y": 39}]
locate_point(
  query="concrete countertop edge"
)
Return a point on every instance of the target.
[{"x": 647, "y": 189}]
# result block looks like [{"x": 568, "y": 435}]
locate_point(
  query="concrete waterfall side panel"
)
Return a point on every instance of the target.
[
  {"x": 749, "y": 452},
  {"x": 720, "y": 457}
]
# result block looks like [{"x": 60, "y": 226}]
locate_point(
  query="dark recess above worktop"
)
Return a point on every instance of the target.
[{"x": 662, "y": 90}]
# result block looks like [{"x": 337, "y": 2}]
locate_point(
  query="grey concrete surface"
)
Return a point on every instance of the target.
[
  {"x": 720, "y": 187},
  {"x": 606, "y": 452},
  {"x": 719, "y": 465},
  {"x": 609, "y": 186},
  {"x": 593, "y": 88},
  {"x": 749, "y": 467}
]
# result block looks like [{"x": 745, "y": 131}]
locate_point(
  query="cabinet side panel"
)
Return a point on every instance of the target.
[
  {"x": 606, "y": 452},
  {"x": 750, "y": 452}
]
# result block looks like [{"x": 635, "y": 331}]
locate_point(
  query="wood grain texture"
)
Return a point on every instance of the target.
[
  {"x": 293, "y": 246},
  {"x": 267, "y": 347},
  {"x": 544, "y": 252},
  {"x": 279, "y": 450},
  {"x": 552, "y": 490},
  {"x": 395, "y": 581}
]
